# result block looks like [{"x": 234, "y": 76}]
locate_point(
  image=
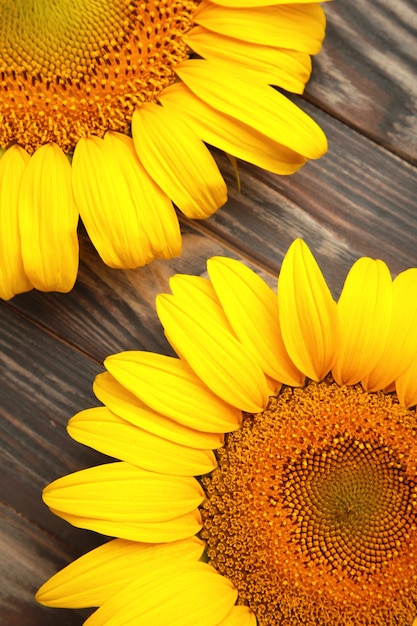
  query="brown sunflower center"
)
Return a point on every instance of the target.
[
  {"x": 312, "y": 512},
  {"x": 73, "y": 68}
]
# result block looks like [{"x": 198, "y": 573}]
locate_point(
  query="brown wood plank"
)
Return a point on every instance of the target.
[{"x": 366, "y": 73}]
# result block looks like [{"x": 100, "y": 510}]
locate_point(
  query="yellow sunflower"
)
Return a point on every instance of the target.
[
  {"x": 104, "y": 115},
  {"x": 306, "y": 512}
]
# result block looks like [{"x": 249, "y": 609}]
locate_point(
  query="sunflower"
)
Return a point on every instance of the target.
[
  {"x": 269, "y": 474},
  {"x": 104, "y": 110}
]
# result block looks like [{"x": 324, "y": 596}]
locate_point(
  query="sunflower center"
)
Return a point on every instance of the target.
[
  {"x": 73, "y": 68},
  {"x": 312, "y": 512}
]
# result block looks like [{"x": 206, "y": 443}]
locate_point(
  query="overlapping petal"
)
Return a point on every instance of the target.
[
  {"x": 122, "y": 500},
  {"x": 178, "y": 161},
  {"x": 294, "y": 26},
  {"x": 252, "y": 310},
  {"x": 128, "y": 406},
  {"x": 196, "y": 331},
  {"x": 158, "y": 597},
  {"x": 258, "y": 106},
  {"x": 102, "y": 430},
  {"x": 170, "y": 387},
  {"x": 95, "y": 577},
  {"x": 128, "y": 217}
]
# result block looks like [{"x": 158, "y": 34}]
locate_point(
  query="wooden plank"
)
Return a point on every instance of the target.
[{"x": 365, "y": 74}]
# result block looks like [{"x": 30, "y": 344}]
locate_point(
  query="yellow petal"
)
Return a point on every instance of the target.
[
  {"x": 364, "y": 311},
  {"x": 124, "y": 496},
  {"x": 297, "y": 27},
  {"x": 307, "y": 313},
  {"x": 178, "y": 161},
  {"x": 169, "y": 386},
  {"x": 230, "y": 134},
  {"x": 102, "y": 573},
  {"x": 102, "y": 430},
  {"x": 13, "y": 279},
  {"x": 128, "y": 406},
  {"x": 129, "y": 219},
  {"x": 190, "y": 594},
  {"x": 239, "y": 616},
  {"x": 406, "y": 385},
  {"x": 48, "y": 221},
  {"x": 252, "y": 310},
  {"x": 401, "y": 347},
  {"x": 164, "y": 531},
  {"x": 257, "y": 105},
  {"x": 287, "y": 68},
  {"x": 197, "y": 333}
]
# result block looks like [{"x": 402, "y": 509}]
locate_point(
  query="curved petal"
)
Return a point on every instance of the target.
[
  {"x": 102, "y": 430},
  {"x": 178, "y": 161},
  {"x": 252, "y": 310},
  {"x": 129, "y": 219},
  {"x": 295, "y": 26},
  {"x": 194, "y": 328},
  {"x": 232, "y": 135},
  {"x": 48, "y": 221},
  {"x": 128, "y": 406},
  {"x": 169, "y": 386},
  {"x": 227, "y": 89},
  {"x": 364, "y": 310},
  {"x": 123, "y": 497},
  {"x": 401, "y": 347},
  {"x": 102, "y": 573},
  {"x": 307, "y": 313},
  {"x": 185, "y": 595},
  {"x": 275, "y": 66},
  {"x": 13, "y": 279}
]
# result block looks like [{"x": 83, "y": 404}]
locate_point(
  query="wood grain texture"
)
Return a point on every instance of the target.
[{"x": 360, "y": 199}]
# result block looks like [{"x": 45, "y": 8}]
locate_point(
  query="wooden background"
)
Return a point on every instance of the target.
[{"x": 360, "y": 199}]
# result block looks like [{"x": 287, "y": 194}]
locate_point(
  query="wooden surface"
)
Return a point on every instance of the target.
[{"x": 360, "y": 199}]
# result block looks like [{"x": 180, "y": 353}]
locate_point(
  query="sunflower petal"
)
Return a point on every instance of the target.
[
  {"x": 128, "y": 406},
  {"x": 13, "y": 279},
  {"x": 307, "y": 313},
  {"x": 129, "y": 219},
  {"x": 102, "y": 573},
  {"x": 125, "y": 498},
  {"x": 194, "y": 328},
  {"x": 102, "y": 430},
  {"x": 178, "y": 161},
  {"x": 276, "y": 66},
  {"x": 159, "y": 597},
  {"x": 364, "y": 310},
  {"x": 257, "y": 105},
  {"x": 257, "y": 3},
  {"x": 48, "y": 221},
  {"x": 232, "y": 135},
  {"x": 170, "y": 387},
  {"x": 406, "y": 386},
  {"x": 401, "y": 347},
  {"x": 252, "y": 310},
  {"x": 295, "y": 26}
]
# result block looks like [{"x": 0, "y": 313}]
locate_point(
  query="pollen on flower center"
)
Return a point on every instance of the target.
[
  {"x": 71, "y": 68},
  {"x": 312, "y": 512}
]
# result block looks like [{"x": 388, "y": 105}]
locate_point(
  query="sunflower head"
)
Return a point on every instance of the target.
[
  {"x": 282, "y": 441},
  {"x": 105, "y": 111}
]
